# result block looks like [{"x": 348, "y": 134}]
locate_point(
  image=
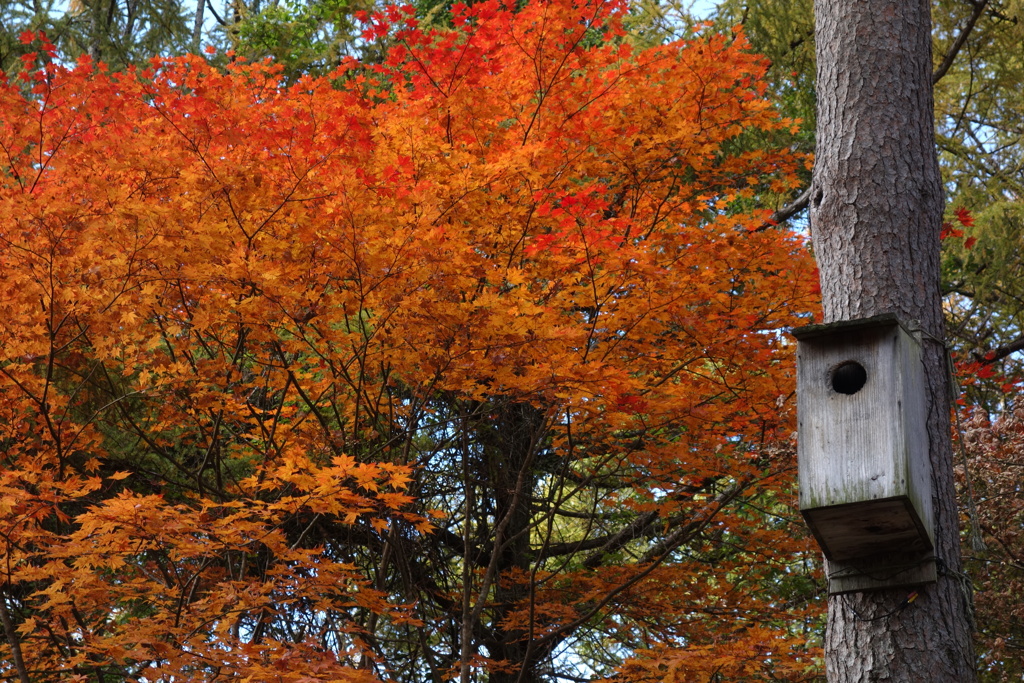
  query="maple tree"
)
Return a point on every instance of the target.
[{"x": 466, "y": 365}]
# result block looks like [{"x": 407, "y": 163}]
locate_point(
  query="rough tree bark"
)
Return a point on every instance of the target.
[{"x": 876, "y": 211}]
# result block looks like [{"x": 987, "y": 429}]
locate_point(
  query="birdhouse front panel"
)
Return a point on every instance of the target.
[{"x": 865, "y": 478}]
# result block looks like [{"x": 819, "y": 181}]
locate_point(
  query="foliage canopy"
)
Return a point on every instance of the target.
[{"x": 463, "y": 365}]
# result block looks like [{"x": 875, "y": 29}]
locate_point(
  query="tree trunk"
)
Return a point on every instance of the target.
[
  {"x": 876, "y": 212},
  {"x": 512, "y": 478},
  {"x": 96, "y": 31},
  {"x": 197, "y": 27}
]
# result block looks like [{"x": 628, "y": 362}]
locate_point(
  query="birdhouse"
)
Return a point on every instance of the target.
[{"x": 864, "y": 469}]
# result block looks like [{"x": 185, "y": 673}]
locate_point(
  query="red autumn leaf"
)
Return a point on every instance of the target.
[
  {"x": 964, "y": 217},
  {"x": 949, "y": 231}
]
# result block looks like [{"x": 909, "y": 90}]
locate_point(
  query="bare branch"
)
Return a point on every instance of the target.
[
  {"x": 954, "y": 49},
  {"x": 12, "y": 640},
  {"x": 788, "y": 211},
  {"x": 1000, "y": 352}
]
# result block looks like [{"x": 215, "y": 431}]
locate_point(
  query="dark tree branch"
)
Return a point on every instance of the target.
[
  {"x": 954, "y": 49},
  {"x": 652, "y": 559},
  {"x": 788, "y": 211},
  {"x": 216, "y": 16},
  {"x": 12, "y": 640},
  {"x": 684, "y": 533},
  {"x": 1000, "y": 352},
  {"x": 606, "y": 544},
  {"x": 638, "y": 528}
]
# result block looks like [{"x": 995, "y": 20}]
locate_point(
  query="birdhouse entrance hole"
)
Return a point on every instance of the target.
[{"x": 849, "y": 378}]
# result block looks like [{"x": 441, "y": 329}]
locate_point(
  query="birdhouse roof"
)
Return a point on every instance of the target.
[{"x": 810, "y": 332}]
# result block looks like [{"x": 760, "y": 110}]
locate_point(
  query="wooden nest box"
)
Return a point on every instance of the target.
[{"x": 864, "y": 469}]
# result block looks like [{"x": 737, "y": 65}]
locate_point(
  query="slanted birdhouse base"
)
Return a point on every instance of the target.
[
  {"x": 845, "y": 531},
  {"x": 878, "y": 572}
]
